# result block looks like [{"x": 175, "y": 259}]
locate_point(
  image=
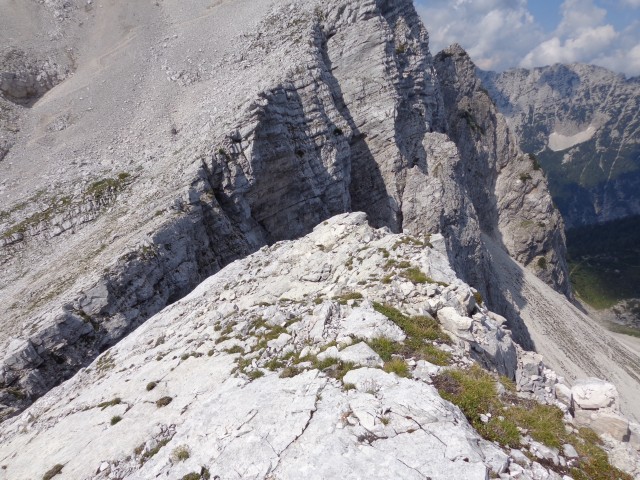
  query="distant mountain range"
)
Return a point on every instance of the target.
[{"x": 582, "y": 123}]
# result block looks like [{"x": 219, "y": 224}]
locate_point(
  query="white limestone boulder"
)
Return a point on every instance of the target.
[
  {"x": 455, "y": 323},
  {"x": 593, "y": 394},
  {"x": 368, "y": 324},
  {"x": 361, "y": 354}
]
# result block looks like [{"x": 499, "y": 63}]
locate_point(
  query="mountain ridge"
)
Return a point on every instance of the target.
[
  {"x": 581, "y": 123},
  {"x": 174, "y": 240},
  {"x": 265, "y": 371}
]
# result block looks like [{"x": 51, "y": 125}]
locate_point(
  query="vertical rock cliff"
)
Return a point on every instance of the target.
[{"x": 508, "y": 189}]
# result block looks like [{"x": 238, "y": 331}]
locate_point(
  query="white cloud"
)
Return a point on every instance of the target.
[
  {"x": 500, "y": 34},
  {"x": 584, "y": 36},
  {"x": 496, "y": 33},
  {"x": 586, "y": 45},
  {"x": 578, "y": 15}
]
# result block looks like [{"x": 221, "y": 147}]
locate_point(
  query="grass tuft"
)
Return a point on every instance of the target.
[
  {"x": 397, "y": 366},
  {"x": 53, "y": 471},
  {"x": 385, "y": 347},
  {"x": 474, "y": 392},
  {"x": 289, "y": 372},
  {"x": 180, "y": 454},
  {"x": 150, "y": 453},
  {"x": 163, "y": 402},
  {"x": 343, "y": 299},
  {"x": 255, "y": 374},
  {"x": 415, "y": 275},
  {"x": 110, "y": 403},
  {"x": 420, "y": 330}
]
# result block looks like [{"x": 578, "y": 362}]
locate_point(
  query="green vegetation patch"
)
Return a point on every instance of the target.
[
  {"x": 343, "y": 299},
  {"x": 255, "y": 374},
  {"x": 474, "y": 392},
  {"x": 53, "y": 471},
  {"x": 408, "y": 240},
  {"x": 106, "y": 186},
  {"x": 180, "y": 454},
  {"x": 150, "y": 453},
  {"x": 419, "y": 327},
  {"x": 110, "y": 403},
  {"x": 604, "y": 262},
  {"x": 98, "y": 190},
  {"x": 203, "y": 475},
  {"x": 397, "y": 366},
  {"x": 163, "y": 402},
  {"x": 420, "y": 330},
  {"x": 331, "y": 366},
  {"x": 289, "y": 372},
  {"x": 415, "y": 275},
  {"x": 625, "y": 330}
]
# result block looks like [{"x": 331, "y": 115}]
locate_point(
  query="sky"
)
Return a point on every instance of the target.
[{"x": 501, "y": 34}]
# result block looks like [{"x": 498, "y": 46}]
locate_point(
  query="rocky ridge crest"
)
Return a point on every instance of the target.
[{"x": 266, "y": 371}]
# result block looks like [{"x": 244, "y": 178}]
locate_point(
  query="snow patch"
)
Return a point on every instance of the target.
[{"x": 559, "y": 142}]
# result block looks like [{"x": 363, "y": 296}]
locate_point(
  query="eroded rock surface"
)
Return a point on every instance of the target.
[
  {"x": 233, "y": 381},
  {"x": 140, "y": 189},
  {"x": 509, "y": 192},
  {"x": 343, "y": 108}
]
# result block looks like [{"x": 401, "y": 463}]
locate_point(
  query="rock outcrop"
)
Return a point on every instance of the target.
[
  {"x": 509, "y": 193},
  {"x": 236, "y": 379},
  {"x": 580, "y": 121}
]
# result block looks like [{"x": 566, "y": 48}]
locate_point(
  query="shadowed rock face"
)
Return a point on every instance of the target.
[
  {"x": 509, "y": 191},
  {"x": 23, "y": 80},
  {"x": 340, "y": 108}
]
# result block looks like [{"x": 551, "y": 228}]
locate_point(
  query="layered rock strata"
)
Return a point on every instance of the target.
[{"x": 343, "y": 109}]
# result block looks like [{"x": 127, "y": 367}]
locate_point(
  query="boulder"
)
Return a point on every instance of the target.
[
  {"x": 368, "y": 323},
  {"x": 452, "y": 321},
  {"x": 425, "y": 370},
  {"x": 563, "y": 393},
  {"x": 604, "y": 422},
  {"x": 361, "y": 354},
  {"x": 569, "y": 451},
  {"x": 593, "y": 394}
]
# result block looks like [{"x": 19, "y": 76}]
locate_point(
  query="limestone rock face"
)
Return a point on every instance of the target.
[
  {"x": 235, "y": 380},
  {"x": 509, "y": 194},
  {"x": 580, "y": 121},
  {"x": 219, "y": 382},
  {"x": 593, "y": 394},
  {"x": 207, "y": 375},
  {"x": 596, "y": 405}
]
